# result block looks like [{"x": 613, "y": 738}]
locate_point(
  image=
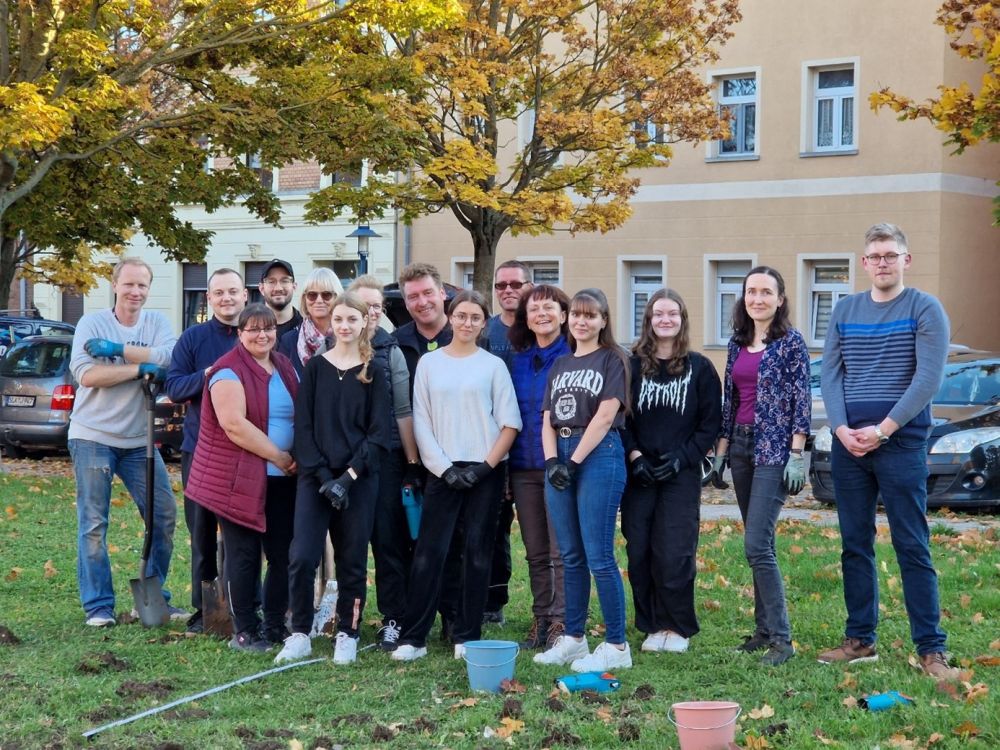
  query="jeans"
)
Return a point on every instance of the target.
[
  {"x": 541, "y": 548},
  {"x": 760, "y": 493},
  {"x": 202, "y": 526},
  {"x": 94, "y": 467},
  {"x": 660, "y": 524},
  {"x": 584, "y": 516},
  {"x": 898, "y": 470}
]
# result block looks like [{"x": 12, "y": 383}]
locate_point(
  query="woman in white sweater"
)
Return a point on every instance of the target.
[{"x": 465, "y": 418}]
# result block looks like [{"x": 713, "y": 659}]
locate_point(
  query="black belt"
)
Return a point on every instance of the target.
[
  {"x": 743, "y": 429},
  {"x": 565, "y": 432}
]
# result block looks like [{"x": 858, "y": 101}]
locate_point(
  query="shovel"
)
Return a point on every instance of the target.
[
  {"x": 148, "y": 592},
  {"x": 214, "y": 605}
]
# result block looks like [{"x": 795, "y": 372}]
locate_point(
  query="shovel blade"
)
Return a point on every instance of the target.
[
  {"x": 149, "y": 602},
  {"x": 215, "y": 609}
]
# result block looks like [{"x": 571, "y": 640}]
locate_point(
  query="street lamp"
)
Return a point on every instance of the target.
[{"x": 363, "y": 233}]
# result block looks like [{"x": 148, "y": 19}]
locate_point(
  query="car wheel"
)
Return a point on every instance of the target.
[
  {"x": 706, "y": 470},
  {"x": 13, "y": 451}
]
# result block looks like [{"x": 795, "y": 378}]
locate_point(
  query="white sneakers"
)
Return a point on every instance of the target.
[
  {"x": 406, "y": 652},
  {"x": 665, "y": 640},
  {"x": 297, "y": 646},
  {"x": 565, "y": 650},
  {"x": 606, "y": 656},
  {"x": 345, "y": 649},
  {"x": 459, "y": 650}
]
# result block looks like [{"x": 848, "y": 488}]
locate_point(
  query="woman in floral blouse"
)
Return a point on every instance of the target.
[{"x": 765, "y": 421}]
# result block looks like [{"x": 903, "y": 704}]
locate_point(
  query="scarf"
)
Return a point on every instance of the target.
[{"x": 311, "y": 341}]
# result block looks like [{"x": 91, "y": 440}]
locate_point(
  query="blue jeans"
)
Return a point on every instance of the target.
[
  {"x": 583, "y": 516},
  {"x": 760, "y": 493},
  {"x": 898, "y": 470},
  {"x": 95, "y": 466}
]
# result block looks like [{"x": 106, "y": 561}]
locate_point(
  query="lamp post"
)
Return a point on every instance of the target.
[{"x": 363, "y": 233}]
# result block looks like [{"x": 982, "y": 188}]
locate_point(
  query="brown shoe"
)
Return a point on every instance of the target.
[
  {"x": 536, "y": 634},
  {"x": 555, "y": 630},
  {"x": 936, "y": 665},
  {"x": 851, "y": 651}
]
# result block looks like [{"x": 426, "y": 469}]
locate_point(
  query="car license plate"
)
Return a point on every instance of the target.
[{"x": 18, "y": 400}]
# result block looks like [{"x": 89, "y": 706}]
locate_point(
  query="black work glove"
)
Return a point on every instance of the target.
[
  {"x": 718, "y": 469},
  {"x": 668, "y": 468},
  {"x": 476, "y": 473},
  {"x": 558, "y": 474},
  {"x": 642, "y": 472},
  {"x": 413, "y": 476},
  {"x": 335, "y": 490},
  {"x": 455, "y": 479}
]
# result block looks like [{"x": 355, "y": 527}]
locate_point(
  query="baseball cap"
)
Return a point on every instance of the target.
[{"x": 277, "y": 263}]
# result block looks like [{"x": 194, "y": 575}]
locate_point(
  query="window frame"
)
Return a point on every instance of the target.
[
  {"x": 715, "y": 317},
  {"x": 811, "y": 98},
  {"x": 629, "y": 267},
  {"x": 808, "y": 263},
  {"x": 716, "y": 78}
]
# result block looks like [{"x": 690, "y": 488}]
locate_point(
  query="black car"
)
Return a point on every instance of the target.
[{"x": 965, "y": 435}]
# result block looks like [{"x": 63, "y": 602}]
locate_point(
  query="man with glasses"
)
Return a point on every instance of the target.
[
  {"x": 197, "y": 350},
  {"x": 277, "y": 287},
  {"x": 882, "y": 364}
]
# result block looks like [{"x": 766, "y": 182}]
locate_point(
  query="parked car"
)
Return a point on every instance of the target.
[
  {"x": 37, "y": 391},
  {"x": 14, "y": 327},
  {"x": 395, "y": 308},
  {"x": 965, "y": 433}
]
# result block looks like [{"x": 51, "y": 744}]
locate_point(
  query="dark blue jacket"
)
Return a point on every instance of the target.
[
  {"x": 530, "y": 373},
  {"x": 196, "y": 349}
]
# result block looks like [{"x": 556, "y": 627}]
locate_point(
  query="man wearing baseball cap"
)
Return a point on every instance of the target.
[{"x": 277, "y": 286}]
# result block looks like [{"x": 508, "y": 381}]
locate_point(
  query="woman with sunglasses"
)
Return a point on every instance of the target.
[
  {"x": 314, "y": 335},
  {"x": 584, "y": 411},
  {"x": 341, "y": 433},
  {"x": 465, "y": 417},
  {"x": 243, "y": 471},
  {"x": 765, "y": 421}
]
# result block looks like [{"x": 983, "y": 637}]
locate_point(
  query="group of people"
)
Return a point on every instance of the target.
[{"x": 303, "y": 425}]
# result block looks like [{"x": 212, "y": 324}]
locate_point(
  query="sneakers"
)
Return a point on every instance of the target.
[
  {"x": 536, "y": 634},
  {"x": 606, "y": 656},
  {"x": 251, "y": 641},
  {"x": 460, "y": 651},
  {"x": 653, "y": 643},
  {"x": 565, "y": 650},
  {"x": 665, "y": 640},
  {"x": 777, "y": 653},
  {"x": 388, "y": 636},
  {"x": 101, "y": 618},
  {"x": 345, "y": 649},
  {"x": 755, "y": 642},
  {"x": 936, "y": 665},
  {"x": 297, "y": 646},
  {"x": 177, "y": 614},
  {"x": 555, "y": 630},
  {"x": 851, "y": 651},
  {"x": 494, "y": 618},
  {"x": 406, "y": 652}
]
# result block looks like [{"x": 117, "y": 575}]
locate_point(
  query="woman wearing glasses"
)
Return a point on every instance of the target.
[
  {"x": 314, "y": 334},
  {"x": 465, "y": 417},
  {"x": 765, "y": 422},
  {"x": 243, "y": 471}
]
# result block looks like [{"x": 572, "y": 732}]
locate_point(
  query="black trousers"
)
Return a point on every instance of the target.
[
  {"x": 392, "y": 546},
  {"x": 660, "y": 525},
  {"x": 202, "y": 527},
  {"x": 474, "y": 512},
  {"x": 242, "y": 560},
  {"x": 350, "y": 531},
  {"x": 500, "y": 567}
]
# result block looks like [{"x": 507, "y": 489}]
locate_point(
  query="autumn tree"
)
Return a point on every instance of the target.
[
  {"x": 967, "y": 115},
  {"x": 108, "y": 109},
  {"x": 597, "y": 88}
]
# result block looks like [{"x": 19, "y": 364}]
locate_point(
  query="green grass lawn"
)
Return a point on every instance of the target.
[{"x": 62, "y": 678}]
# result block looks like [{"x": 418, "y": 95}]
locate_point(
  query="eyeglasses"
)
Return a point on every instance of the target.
[
  {"x": 312, "y": 296},
  {"x": 462, "y": 318},
  {"x": 889, "y": 258},
  {"x": 286, "y": 281},
  {"x": 258, "y": 331},
  {"x": 377, "y": 307},
  {"x": 515, "y": 285}
]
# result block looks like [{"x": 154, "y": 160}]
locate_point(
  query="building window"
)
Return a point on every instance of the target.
[
  {"x": 738, "y": 104},
  {"x": 252, "y": 273},
  {"x": 833, "y": 114},
  {"x": 829, "y": 281},
  {"x": 546, "y": 272},
  {"x": 464, "y": 274},
  {"x": 264, "y": 174},
  {"x": 644, "y": 279},
  {"x": 195, "y": 283},
  {"x": 728, "y": 276}
]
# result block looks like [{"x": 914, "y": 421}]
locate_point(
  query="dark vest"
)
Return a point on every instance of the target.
[{"x": 225, "y": 478}]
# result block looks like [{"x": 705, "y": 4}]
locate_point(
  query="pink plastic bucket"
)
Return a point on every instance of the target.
[{"x": 705, "y": 725}]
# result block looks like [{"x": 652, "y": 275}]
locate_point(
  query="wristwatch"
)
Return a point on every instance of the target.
[{"x": 882, "y": 437}]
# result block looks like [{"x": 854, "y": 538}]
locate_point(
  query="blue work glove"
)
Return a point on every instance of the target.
[
  {"x": 104, "y": 349},
  {"x": 335, "y": 490},
  {"x": 148, "y": 368},
  {"x": 795, "y": 474},
  {"x": 668, "y": 468},
  {"x": 476, "y": 473},
  {"x": 455, "y": 479},
  {"x": 642, "y": 472}
]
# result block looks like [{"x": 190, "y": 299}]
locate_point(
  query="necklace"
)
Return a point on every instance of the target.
[{"x": 340, "y": 375}]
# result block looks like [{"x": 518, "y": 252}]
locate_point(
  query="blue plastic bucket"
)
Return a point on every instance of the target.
[{"x": 489, "y": 663}]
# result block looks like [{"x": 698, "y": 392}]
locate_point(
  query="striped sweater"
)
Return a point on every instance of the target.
[{"x": 884, "y": 359}]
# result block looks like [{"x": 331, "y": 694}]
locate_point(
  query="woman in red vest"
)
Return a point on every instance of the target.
[{"x": 243, "y": 471}]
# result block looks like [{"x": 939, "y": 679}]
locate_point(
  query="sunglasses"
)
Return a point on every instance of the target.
[
  {"x": 515, "y": 285},
  {"x": 312, "y": 296}
]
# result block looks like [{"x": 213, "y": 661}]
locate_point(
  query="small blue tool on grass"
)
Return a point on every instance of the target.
[{"x": 601, "y": 682}]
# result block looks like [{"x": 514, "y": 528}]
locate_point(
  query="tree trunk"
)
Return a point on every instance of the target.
[
  {"x": 486, "y": 236},
  {"x": 8, "y": 265}
]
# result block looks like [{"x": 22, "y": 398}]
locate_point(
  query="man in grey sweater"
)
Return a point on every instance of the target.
[
  {"x": 882, "y": 364},
  {"x": 112, "y": 351}
]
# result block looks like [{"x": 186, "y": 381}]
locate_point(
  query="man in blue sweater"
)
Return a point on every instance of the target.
[
  {"x": 196, "y": 351},
  {"x": 882, "y": 364}
]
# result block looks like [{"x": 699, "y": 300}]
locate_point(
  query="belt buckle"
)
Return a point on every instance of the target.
[{"x": 565, "y": 432}]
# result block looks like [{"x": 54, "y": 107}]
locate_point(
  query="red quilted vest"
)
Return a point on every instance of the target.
[{"x": 226, "y": 479}]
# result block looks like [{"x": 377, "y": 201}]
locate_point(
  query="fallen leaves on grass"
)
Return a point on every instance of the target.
[
  {"x": 13, "y": 575},
  {"x": 604, "y": 714},
  {"x": 511, "y": 686},
  {"x": 988, "y": 661},
  {"x": 755, "y": 742},
  {"x": 966, "y": 729},
  {"x": 976, "y": 692},
  {"x": 464, "y": 703},
  {"x": 850, "y": 702},
  {"x": 11, "y": 512},
  {"x": 509, "y": 726},
  {"x": 764, "y": 712},
  {"x": 848, "y": 683},
  {"x": 818, "y": 734}
]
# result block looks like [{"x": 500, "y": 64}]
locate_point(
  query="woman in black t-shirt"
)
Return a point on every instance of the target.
[{"x": 584, "y": 410}]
